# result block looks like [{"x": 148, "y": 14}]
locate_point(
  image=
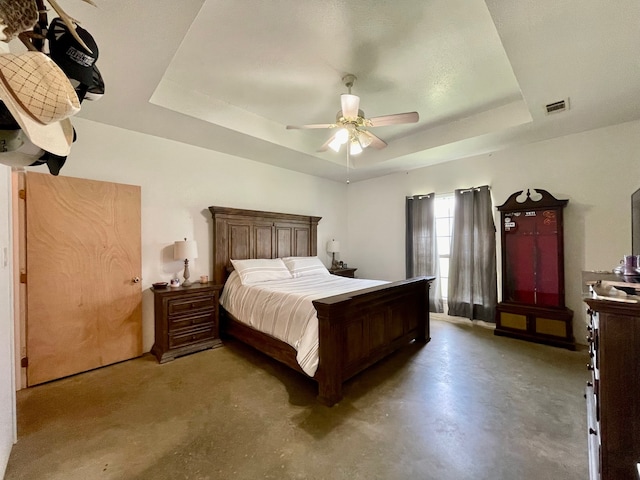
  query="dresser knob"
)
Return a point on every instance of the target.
[
  {"x": 589, "y": 384},
  {"x": 592, "y": 431},
  {"x": 589, "y": 328},
  {"x": 589, "y": 366}
]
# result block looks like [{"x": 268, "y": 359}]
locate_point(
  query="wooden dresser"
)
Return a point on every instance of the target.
[
  {"x": 613, "y": 394},
  {"x": 186, "y": 320}
]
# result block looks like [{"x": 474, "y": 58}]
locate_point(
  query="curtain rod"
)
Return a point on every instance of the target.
[
  {"x": 465, "y": 190},
  {"x": 427, "y": 195}
]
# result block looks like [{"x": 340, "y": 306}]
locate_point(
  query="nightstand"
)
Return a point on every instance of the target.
[
  {"x": 344, "y": 272},
  {"x": 186, "y": 320}
]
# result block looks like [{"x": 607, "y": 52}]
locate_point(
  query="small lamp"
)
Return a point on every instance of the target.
[
  {"x": 333, "y": 247},
  {"x": 184, "y": 250}
]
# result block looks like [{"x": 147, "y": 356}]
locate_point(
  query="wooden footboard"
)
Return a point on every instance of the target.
[
  {"x": 355, "y": 331},
  {"x": 359, "y": 328}
]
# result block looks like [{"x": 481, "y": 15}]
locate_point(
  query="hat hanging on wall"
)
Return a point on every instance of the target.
[
  {"x": 16, "y": 150},
  {"x": 76, "y": 62},
  {"x": 40, "y": 98},
  {"x": 16, "y": 16}
]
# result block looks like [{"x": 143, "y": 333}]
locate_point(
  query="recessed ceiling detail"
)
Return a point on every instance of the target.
[{"x": 229, "y": 76}]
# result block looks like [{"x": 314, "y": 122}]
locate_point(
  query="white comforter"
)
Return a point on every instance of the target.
[{"x": 284, "y": 308}]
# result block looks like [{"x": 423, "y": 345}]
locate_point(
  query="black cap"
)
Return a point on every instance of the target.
[{"x": 69, "y": 55}]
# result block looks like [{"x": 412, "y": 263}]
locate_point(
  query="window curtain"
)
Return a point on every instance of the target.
[
  {"x": 422, "y": 246},
  {"x": 472, "y": 268}
]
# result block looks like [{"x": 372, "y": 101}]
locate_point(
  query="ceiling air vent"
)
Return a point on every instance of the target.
[{"x": 556, "y": 107}]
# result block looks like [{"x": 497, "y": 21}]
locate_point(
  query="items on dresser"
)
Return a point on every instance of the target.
[
  {"x": 186, "y": 320},
  {"x": 533, "y": 304},
  {"x": 344, "y": 271},
  {"x": 613, "y": 408}
]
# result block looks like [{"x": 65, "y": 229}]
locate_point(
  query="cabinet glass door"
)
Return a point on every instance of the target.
[{"x": 531, "y": 267}]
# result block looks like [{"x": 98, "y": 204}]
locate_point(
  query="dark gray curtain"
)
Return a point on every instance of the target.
[
  {"x": 472, "y": 268},
  {"x": 422, "y": 246}
]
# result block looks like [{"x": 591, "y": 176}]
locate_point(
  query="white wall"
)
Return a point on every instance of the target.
[
  {"x": 597, "y": 171},
  {"x": 7, "y": 386},
  {"x": 179, "y": 182}
]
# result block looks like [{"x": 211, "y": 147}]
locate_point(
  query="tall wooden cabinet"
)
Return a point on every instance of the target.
[
  {"x": 613, "y": 394},
  {"x": 533, "y": 305}
]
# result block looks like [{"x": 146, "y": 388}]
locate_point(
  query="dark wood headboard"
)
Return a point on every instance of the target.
[{"x": 242, "y": 234}]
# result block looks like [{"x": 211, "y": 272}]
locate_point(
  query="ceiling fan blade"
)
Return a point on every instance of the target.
[
  {"x": 376, "y": 142},
  {"x": 316, "y": 125},
  {"x": 350, "y": 105},
  {"x": 409, "y": 117}
]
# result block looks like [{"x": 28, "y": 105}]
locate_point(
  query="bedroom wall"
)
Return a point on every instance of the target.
[
  {"x": 7, "y": 389},
  {"x": 179, "y": 182},
  {"x": 596, "y": 170}
]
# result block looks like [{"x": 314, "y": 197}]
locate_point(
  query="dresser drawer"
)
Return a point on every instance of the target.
[
  {"x": 190, "y": 304},
  {"x": 188, "y": 336},
  {"x": 177, "y": 323}
]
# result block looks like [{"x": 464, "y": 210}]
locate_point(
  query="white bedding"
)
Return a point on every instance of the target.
[{"x": 284, "y": 308}]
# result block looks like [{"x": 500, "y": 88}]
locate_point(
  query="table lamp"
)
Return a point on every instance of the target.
[
  {"x": 333, "y": 247},
  {"x": 184, "y": 250}
]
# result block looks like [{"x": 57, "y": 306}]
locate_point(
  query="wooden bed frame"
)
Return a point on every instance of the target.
[{"x": 355, "y": 329}]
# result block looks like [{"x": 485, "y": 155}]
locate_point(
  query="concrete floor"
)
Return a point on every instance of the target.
[{"x": 468, "y": 405}]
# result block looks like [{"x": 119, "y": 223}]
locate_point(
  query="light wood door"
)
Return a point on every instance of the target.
[{"x": 83, "y": 258}]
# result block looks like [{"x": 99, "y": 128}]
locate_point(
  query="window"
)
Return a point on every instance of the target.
[{"x": 444, "y": 227}]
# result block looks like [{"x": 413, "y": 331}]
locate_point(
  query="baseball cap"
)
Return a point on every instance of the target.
[{"x": 76, "y": 62}]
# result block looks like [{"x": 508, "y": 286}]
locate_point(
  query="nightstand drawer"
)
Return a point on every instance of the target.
[
  {"x": 190, "y": 304},
  {"x": 176, "y": 323},
  {"x": 191, "y": 335}
]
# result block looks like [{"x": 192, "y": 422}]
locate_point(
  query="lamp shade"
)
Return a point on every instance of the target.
[
  {"x": 333, "y": 246},
  {"x": 184, "y": 249}
]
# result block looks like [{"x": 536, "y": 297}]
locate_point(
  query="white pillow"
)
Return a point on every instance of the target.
[
  {"x": 260, "y": 270},
  {"x": 305, "y": 266}
]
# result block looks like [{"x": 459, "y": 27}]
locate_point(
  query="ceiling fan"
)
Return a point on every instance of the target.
[{"x": 352, "y": 124}]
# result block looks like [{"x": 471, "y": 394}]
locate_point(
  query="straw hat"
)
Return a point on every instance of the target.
[{"x": 41, "y": 99}]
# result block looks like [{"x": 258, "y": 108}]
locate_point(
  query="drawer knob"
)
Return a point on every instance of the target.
[
  {"x": 589, "y": 384},
  {"x": 589, "y": 366},
  {"x": 592, "y": 431}
]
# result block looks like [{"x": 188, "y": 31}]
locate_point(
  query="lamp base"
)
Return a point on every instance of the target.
[
  {"x": 186, "y": 274},
  {"x": 334, "y": 264}
]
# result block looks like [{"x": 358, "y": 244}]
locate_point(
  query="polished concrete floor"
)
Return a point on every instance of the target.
[{"x": 468, "y": 405}]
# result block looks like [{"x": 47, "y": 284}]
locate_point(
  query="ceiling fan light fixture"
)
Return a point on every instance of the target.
[
  {"x": 335, "y": 145},
  {"x": 364, "y": 139},
  {"x": 354, "y": 147},
  {"x": 342, "y": 136}
]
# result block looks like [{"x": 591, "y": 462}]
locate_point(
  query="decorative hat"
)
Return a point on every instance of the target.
[
  {"x": 40, "y": 98},
  {"x": 11, "y": 140},
  {"x": 16, "y": 16},
  {"x": 70, "y": 56},
  {"x": 20, "y": 151}
]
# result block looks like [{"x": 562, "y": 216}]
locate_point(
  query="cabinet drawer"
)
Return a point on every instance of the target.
[
  {"x": 193, "y": 303},
  {"x": 191, "y": 335},
  {"x": 177, "y": 323}
]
